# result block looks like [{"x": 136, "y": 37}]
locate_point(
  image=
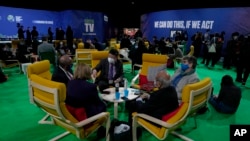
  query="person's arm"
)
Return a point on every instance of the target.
[
  {"x": 119, "y": 73},
  {"x": 97, "y": 69}
]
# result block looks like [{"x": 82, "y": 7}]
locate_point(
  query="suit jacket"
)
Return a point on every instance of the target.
[
  {"x": 161, "y": 102},
  {"x": 81, "y": 93},
  {"x": 103, "y": 66},
  {"x": 60, "y": 76}
]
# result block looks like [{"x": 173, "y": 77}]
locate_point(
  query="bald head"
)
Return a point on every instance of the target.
[
  {"x": 163, "y": 79},
  {"x": 65, "y": 61}
]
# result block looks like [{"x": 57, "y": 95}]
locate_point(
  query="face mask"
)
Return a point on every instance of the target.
[
  {"x": 111, "y": 60},
  {"x": 184, "y": 67}
]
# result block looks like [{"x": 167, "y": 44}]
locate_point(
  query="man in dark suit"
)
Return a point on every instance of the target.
[
  {"x": 111, "y": 71},
  {"x": 63, "y": 72},
  {"x": 158, "y": 103}
]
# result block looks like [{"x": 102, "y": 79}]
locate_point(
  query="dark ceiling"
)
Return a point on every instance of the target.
[{"x": 123, "y": 13}]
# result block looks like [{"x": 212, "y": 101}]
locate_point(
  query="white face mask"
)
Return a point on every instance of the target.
[{"x": 111, "y": 60}]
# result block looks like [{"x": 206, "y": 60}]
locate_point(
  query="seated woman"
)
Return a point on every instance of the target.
[
  {"x": 82, "y": 98},
  {"x": 229, "y": 97}
]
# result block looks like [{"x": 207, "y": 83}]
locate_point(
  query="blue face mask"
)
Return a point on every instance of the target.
[{"x": 184, "y": 67}]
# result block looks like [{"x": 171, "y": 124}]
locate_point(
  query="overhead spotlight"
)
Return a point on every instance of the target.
[{"x": 132, "y": 2}]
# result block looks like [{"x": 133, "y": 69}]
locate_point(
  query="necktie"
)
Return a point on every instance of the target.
[
  {"x": 110, "y": 71},
  {"x": 69, "y": 75}
]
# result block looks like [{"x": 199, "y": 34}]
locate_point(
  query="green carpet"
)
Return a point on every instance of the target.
[{"x": 19, "y": 118}]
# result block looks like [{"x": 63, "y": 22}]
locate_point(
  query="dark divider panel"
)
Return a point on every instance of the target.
[
  {"x": 85, "y": 24},
  {"x": 196, "y": 20}
]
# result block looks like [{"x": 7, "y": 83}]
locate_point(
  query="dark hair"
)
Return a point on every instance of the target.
[
  {"x": 191, "y": 59},
  {"x": 114, "y": 52},
  {"x": 227, "y": 80}
]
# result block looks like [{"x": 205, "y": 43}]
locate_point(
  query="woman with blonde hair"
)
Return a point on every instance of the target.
[{"x": 83, "y": 95}]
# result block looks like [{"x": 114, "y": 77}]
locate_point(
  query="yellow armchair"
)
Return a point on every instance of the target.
[
  {"x": 148, "y": 61},
  {"x": 194, "y": 97},
  {"x": 84, "y": 55},
  {"x": 50, "y": 96}
]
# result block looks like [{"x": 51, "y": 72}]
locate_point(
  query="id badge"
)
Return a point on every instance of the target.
[{"x": 110, "y": 81}]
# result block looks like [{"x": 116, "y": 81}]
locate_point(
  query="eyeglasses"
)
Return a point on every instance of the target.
[{"x": 184, "y": 61}]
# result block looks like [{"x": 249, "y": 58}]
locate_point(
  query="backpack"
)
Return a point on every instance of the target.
[{"x": 117, "y": 126}]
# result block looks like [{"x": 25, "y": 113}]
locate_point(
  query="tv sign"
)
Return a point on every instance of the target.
[
  {"x": 239, "y": 132},
  {"x": 89, "y": 25}
]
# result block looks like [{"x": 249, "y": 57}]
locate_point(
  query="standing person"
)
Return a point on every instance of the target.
[
  {"x": 50, "y": 35},
  {"x": 243, "y": 66},
  {"x": 21, "y": 32},
  {"x": 34, "y": 33},
  {"x": 69, "y": 38},
  {"x": 229, "y": 96},
  {"x": 28, "y": 37}
]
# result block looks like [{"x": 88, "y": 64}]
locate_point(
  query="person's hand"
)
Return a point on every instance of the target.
[
  {"x": 215, "y": 96},
  {"x": 145, "y": 96},
  {"x": 117, "y": 80},
  {"x": 94, "y": 74}
]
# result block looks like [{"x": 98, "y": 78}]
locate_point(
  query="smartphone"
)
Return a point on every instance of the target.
[
  {"x": 124, "y": 98},
  {"x": 137, "y": 93}
]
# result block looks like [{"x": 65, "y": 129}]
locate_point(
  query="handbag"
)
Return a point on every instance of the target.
[
  {"x": 212, "y": 48},
  {"x": 120, "y": 131}
]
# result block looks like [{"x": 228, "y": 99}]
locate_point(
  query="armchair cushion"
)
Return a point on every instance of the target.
[
  {"x": 169, "y": 115},
  {"x": 78, "y": 113},
  {"x": 145, "y": 84}
]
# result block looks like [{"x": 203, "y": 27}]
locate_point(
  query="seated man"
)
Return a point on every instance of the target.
[
  {"x": 186, "y": 74},
  {"x": 158, "y": 103},
  {"x": 111, "y": 71},
  {"x": 63, "y": 72}
]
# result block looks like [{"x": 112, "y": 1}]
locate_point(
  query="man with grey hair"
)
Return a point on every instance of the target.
[{"x": 158, "y": 103}]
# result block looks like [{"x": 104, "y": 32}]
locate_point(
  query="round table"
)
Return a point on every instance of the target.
[{"x": 111, "y": 97}]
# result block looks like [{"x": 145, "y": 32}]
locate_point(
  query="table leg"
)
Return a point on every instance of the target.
[{"x": 115, "y": 110}]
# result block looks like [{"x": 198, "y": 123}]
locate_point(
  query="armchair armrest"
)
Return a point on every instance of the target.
[
  {"x": 135, "y": 78},
  {"x": 91, "y": 119},
  {"x": 153, "y": 119}
]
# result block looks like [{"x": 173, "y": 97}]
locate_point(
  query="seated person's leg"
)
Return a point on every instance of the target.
[{"x": 102, "y": 85}]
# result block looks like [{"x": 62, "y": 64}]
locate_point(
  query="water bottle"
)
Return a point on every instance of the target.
[
  {"x": 117, "y": 93},
  {"x": 125, "y": 87},
  {"x": 125, "y": 84}
]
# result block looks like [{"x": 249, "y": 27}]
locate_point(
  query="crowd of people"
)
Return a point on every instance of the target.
[{"x": 84, "y": 83}]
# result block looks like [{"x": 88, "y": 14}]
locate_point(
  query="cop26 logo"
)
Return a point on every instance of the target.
[{"x": 12, "y": 18}]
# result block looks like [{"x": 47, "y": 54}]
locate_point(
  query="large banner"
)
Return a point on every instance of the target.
[
  {"x": 9, "y": 17},
  {"x": 162, "y": 24},
  {"x": 84, "y": 24}
]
